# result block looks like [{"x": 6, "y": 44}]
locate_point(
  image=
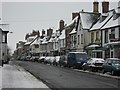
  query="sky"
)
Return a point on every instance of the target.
[{"x": 23, "y": 16}]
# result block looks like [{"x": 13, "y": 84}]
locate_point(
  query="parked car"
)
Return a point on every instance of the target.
[
  {"x": 51, "y": 60},
  {"x": 56, "y": 61},
  {"x": 63, "y": 61},
  {"x": 93, "y": 64},
  {"x": 76, "y": 59},
  {"x": 41, "y": 59},
  {"x": 47, "y": 60},
  {"x": 34, "y": 58},
  {"x": 28, "y": 58},
  {"x": 112, "y": 65},
  {"x": 23, "y": 58},
  {"x": 18, "y": 58}
]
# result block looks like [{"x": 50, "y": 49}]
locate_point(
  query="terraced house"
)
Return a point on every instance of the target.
[
  {"x": 96, "y": 33},
  {"x": 3, "y": 43}
]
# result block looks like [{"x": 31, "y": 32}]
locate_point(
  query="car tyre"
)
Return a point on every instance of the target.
[
  {"x": 103, "y": 71},
  {"x": 113, "y": 72},
  {"x": 83, "y": 69}
]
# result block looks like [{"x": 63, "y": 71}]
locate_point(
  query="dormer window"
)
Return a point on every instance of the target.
[
  {"x": 102, "y": 18},
  {"x": 119, "y": 32},
  {"x": 115, "y": 16}
]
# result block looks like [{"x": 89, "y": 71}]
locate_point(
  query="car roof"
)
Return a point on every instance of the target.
[
  {"x": 78, "y": 52},
  {"x": 113, "y": 59},
  {"x": 97, "y": 59}
]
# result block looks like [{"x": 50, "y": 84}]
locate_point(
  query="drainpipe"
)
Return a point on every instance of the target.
[
  {"x": 102, "y": 42},
  {"x": 1, "y": 63}
]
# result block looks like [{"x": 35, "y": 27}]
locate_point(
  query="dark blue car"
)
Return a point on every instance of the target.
[{"x": 76, "y": 59}]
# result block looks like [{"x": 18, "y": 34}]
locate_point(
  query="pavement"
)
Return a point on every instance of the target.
[
  {"x": 13, "y": 76},
  {"x": 0, "y": 77}
]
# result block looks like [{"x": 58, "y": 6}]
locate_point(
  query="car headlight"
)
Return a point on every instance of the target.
[{"x": 117, "y": 68}]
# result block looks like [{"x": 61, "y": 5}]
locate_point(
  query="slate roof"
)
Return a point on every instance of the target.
[
  {"x": 30, "y": 42},
  {"x": 62, "y": 36},
  {"x": 88, "y": 18},
  {"x": 72, "y": 22},
  {"x": 103, "y": 19},
  {"x": 36, "y": 41},
  {"x": 73, "y": 31},
  {"x": 113, "y": 22}
]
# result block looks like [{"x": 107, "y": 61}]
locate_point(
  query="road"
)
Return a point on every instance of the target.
[{"x": 57, "y": 77}]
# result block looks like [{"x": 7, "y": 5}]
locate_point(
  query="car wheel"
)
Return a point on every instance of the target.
[
  {"x": 113, "y": 72},
  {"x": 103, "y": 71},
  {"x": 91, "y": 69},
  {"x": 84, "y": 69}
]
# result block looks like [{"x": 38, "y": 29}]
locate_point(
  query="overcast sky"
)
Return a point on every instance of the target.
[{"x": 23, "y": 17}]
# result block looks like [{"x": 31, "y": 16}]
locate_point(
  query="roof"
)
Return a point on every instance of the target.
[
  {"x": 113, "y": 43},
  {"x": 79, "y": 52},
  {"x": 51, "y": 39},
  {"x": 30, "y": 42},
  {"x": 112, "y": 22},
  {"x": 36, "y": 41},
  {"x": 88, "y": 18},
  {"x": 92, "y": 46},
  {"x": 102, "y": 20},
  {"x": 72, "y": 22},
  {"x": 73, "y": 31},
  {"x": 96, "y": 60},
  {"x": 113, "y": 59},
  {"x": 45, "y": 40},
  {"x": 62, "y": 36},
  {"x": 117, "y": 10}
]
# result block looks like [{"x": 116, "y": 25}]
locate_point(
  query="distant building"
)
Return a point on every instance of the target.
[{"x": 3, "y": 44}]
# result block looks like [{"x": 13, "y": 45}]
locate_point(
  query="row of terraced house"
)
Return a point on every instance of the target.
[{"x": 96, "y": 33}]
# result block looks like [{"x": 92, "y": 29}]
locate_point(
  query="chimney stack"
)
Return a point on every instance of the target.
[
  {"x": 61, "y": 25},
  {"x": 74, "y": 14},
  {"x": 49, "y": 32},
  {"x": 95, "y": 6},
  {"x": 105, "y": 6},
  {"x": 43, "y": 32}
]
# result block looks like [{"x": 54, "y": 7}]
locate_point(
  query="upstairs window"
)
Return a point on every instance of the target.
[
  {"x": 36, "y": 46},
  {"x": 78, "y": 39},
  {"x": 113, "y": 31},
  {"x": 119, "y": 32},
  {"x": 92, "y": 37},
  {"x": 81, "y": 38},
  {"x": 106, "y": 36},
  {"x": 112, "y": 35},
  {"x": 97, "y": 35}
]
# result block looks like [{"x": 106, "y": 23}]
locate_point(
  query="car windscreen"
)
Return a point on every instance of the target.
[
  {"x": 116, "y": 61},
  {"x": 81, "y": 56}
]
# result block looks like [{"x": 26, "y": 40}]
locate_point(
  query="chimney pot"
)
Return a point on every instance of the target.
[
  {"x": 43, "y": 32},
  {"x": 61, "y": 25},
  {"x": 49, "y": 32},
  {"x": 95, "y": 6},
  {"x": 105, "y": 6}
]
